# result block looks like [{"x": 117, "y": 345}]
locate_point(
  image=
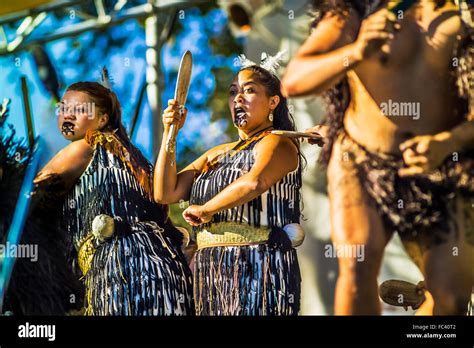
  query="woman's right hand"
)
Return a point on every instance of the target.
[
  {"x": 374, "y": 33},
  {"x": 172, "y": 115}
]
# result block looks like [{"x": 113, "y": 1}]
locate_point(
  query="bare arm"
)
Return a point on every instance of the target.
[
  {"x": 321, "y": 56},
  {"x": 275, "y": 157},
  {"x": 68, "y": 164},
  {"x": 426, "y": 152},
  {"x": 335, "y": 46},
  {"x": 169, "y": 186},
  {"x": 463, "y": 135}
]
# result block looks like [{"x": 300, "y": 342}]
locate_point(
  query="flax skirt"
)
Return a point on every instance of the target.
[{"x": 247, "y": 280}]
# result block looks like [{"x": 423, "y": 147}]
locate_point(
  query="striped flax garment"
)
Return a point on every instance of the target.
[
  {"x": 140, "y": 270},
  {"x": 240, "y": 277}
]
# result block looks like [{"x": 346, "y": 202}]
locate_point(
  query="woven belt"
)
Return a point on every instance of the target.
[
  {"x": 89, "y": 244},
  {"x": 229, "y": 234}
]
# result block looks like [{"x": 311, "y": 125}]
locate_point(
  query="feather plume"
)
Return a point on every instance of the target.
[
  {"x": 105, "y": 79},
  {"x": 4, "y": 110},
  {"x": 272, "y": 63},
  {"x": 245, "y": 62}
]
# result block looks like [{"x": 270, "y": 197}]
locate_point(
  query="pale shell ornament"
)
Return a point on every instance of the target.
[
  {"x": 103, "y": 227},
  {"x": 295, "y": 233}
]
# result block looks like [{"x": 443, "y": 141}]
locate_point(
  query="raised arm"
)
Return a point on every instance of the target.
[
  {"x": 169, "y": 186},
  {"x": 335, "y": 46},
  {"x": 275, "y": 157}
]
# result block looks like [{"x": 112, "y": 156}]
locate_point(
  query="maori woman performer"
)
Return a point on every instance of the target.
[
  {"x": 401, "y": 140},
  {"x": 244, "y": 203},
  {"x": 125, "y": 245}
]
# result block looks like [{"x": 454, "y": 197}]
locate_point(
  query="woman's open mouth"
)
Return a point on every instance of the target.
[
  {"x": 240, "y": 117},
  {"x": 67, "y": 128}
]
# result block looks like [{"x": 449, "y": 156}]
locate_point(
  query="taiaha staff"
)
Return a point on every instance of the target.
[
  {"x": 180, "y": 94},
  {"x": 293, "y": 134},
  {"x": 29, "y": 119}
]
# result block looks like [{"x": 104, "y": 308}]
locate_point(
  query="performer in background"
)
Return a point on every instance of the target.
[
  {"x": 124, "y": 243},
  {"x": 400, "y": 142},
  {"x": 242, "y": 196},
  {"x": 42, "y": 281}
]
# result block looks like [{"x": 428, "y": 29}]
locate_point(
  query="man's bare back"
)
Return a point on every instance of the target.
[{"x": 407, "y": 88}]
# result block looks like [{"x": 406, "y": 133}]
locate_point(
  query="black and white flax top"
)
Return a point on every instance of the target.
[{"x": 276, "y": 207}]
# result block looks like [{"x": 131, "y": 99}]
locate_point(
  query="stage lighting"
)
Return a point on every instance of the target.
[{"x": 245, "y": 14}]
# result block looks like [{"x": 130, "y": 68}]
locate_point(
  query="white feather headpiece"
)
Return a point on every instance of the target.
[{"x": 269, "y": 63}]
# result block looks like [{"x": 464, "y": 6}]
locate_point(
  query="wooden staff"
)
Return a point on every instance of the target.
[{"x": 28, "y": 117}]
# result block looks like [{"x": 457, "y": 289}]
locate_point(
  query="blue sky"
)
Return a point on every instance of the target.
[{"x": 127, "y": 66}]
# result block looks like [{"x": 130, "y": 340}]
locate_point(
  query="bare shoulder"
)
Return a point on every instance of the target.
[
  {"x": 278, "y": 144},
  {"x": 208, "y": 156},
  {"x": 79, "y": 147},
  {"x": 69, "y": 163},
  {"x": 451, "y": 21},
  {"x": 277, "y": 153},
  {"x": 219, "y": 150},
  {"x": 77, "y": 153}
]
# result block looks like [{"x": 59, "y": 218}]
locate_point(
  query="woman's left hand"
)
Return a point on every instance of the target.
[
  {"x": 196, "y": 215},
  {"x": 319, "y": 130},
  {"x": 426, "y": 152}
]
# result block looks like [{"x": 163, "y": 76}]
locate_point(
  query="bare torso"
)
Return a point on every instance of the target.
[{"x": 412, "y": 92}]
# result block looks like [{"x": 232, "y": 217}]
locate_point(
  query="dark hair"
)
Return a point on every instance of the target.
[
  {"x": 107, "y": 103},
  {"x": 338, "y": 97},
  {"x": 282, "y": 118},
  {"x": 321, "y": 7}
]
